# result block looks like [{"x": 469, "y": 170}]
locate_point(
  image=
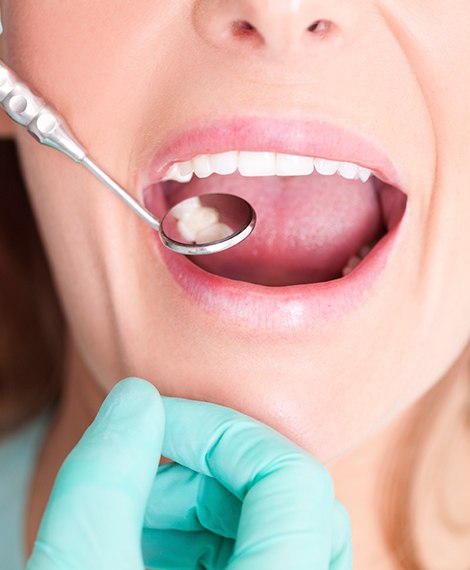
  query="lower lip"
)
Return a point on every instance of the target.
[{"x": 283, "y": 311}]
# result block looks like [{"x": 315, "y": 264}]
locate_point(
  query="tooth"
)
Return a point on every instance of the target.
[
  {"x": 213, "y": 233},
  {"x": 364, "y": 174},
  {"x": 224, "y": 162},
  {"x": 202, "y": 166},
  {"x": 348, "y": 170},
  {"x": 257, "y": 163},
  {"x": 185, "y": 207},
  {"x": 365, "y": 250},
  {"x": 187, "y": 234},
  {"x": 293, "y": 165},
  {"x": 353, "y": 262},
  {"x": 198, "y": 219},
  {"x": 326, "y": 167},
  {"x": 171, "y": 173},
  {"x": 175, "y": 174},
  {"x": 184, "y": 179},
  {"x": 185, "y": 168}
]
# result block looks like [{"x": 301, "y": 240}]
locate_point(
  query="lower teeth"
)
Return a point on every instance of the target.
[{"x": 355, "y": 259}]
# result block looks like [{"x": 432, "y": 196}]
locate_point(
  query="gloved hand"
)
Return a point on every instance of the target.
[{"x": 241, "y": 496}]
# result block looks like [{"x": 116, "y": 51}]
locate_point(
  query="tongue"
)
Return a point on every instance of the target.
[{"x": 307, "y": 226}]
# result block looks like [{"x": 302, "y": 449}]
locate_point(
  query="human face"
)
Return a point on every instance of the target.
[{"x": 325, "y": 366}]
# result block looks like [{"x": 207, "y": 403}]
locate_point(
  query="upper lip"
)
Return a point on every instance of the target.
[{"x": 309, "y": 137}]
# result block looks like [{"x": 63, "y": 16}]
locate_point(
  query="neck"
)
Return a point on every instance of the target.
[
  {"x": 389, "y": 483},
  {"x": 358, "y": 476},
  {"x": 79, "y": 403}
]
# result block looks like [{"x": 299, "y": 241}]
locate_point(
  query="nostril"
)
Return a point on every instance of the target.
[
  {"x": 319, "y": 26},
  {"x": 242, "y": 28}
]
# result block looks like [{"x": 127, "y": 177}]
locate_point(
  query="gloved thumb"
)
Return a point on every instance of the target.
[{"x": 95, "y": 514}]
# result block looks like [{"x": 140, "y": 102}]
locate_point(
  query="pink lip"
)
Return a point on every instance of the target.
[
  {"x": 308, "y": 137},
  {"x": 280, "y": 311}
]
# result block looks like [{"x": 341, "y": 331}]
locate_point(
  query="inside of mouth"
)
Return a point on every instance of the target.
[{"x": 309, "y": 229}]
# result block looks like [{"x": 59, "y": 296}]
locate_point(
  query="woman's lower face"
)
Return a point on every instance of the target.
[{"x": 274, "y": 328}]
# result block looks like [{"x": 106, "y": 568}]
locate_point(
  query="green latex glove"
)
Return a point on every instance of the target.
[{"x": 241, "y": 496}]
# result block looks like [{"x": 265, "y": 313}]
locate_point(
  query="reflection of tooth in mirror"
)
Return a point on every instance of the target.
[
  {"x": 207, "y": 220},
  {"x": 215, "y": 232},
  {"x": 196, "y": 220},
  {"x": 185, "y": 235},
  {"x": 185, "y": 207}
]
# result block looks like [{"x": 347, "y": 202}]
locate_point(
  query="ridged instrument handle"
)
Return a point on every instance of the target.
[{"x": 41, "y": 121}]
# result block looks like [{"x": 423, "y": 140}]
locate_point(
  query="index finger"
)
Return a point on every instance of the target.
[
  {"x": 287, "y": 515},
  {"x": 96, "y": 510}
]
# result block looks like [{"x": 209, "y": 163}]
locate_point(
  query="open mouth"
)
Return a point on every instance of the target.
[{"x": 318, "y": 219}]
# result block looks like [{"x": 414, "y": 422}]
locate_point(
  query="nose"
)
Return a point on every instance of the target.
[{"x": 278, "y": 27}]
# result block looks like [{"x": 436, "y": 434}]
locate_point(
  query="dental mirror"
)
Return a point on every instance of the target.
[
  {"x": 196, "y": 226},
  {"x": 207, "y": 224}
]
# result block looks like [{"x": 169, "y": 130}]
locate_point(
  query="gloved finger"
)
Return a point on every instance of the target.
[
  {"x": 182, "y": 499},
  {"x": 96, "y": 510},
  {"x": 180, "y": 550},
  {"x": 288, "y": 496},
  {"x": 342, "y": 543}
]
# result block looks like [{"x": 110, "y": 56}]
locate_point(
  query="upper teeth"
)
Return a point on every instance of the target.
[{"x": 263, "y": 164}]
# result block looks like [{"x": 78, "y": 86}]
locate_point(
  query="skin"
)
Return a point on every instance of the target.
[{"x": 125, "y": 314}]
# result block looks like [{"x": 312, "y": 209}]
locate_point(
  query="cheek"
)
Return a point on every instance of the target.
[
  {"x": 69, "y": 234},
  {"x": 72, "y": 209},
  {"x": 441, "y": 47},
  {"x": 90, "y": 60}
]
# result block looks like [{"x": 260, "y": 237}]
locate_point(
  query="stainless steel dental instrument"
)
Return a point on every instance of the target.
[{"x": 233, "y": 219}]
